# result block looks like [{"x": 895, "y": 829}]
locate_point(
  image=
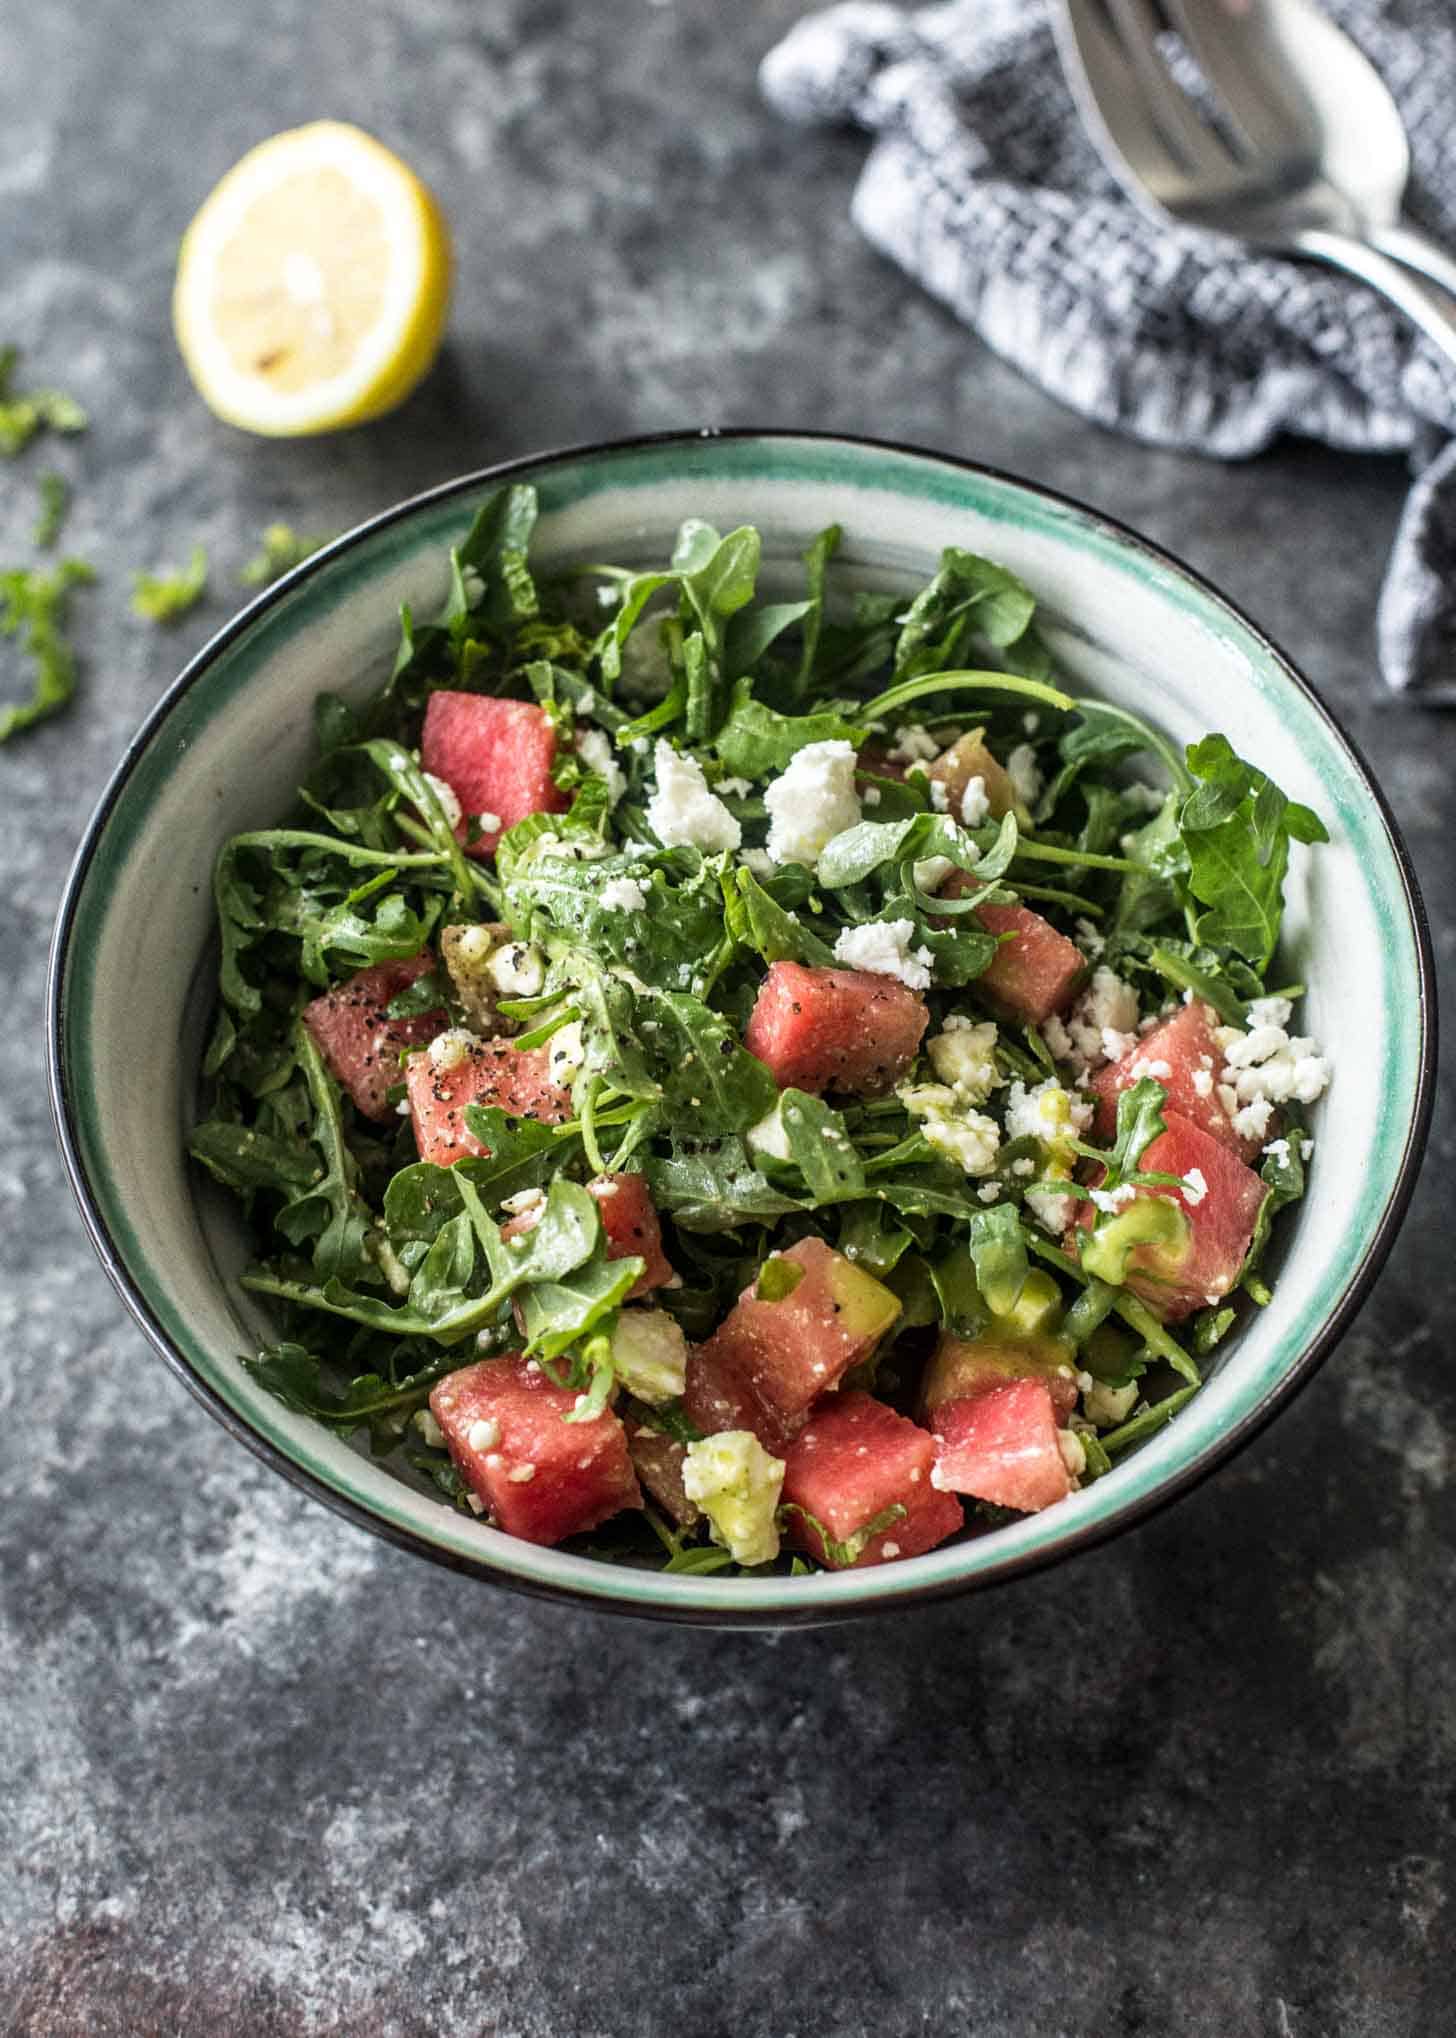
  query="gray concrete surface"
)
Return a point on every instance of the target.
[{"x": 260, "y": 1774}]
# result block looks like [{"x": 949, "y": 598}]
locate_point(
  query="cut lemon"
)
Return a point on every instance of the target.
[{"x": 312, "y": 287}]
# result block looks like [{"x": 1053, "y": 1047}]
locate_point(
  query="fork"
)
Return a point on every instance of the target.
[{"x": 1289, "y": 140}]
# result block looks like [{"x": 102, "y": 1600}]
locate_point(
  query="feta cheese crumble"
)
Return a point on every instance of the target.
[
  {"x": 650, "y": 1355},
  {"x": 811, "y": 802},
  {"x": 975, "y": 802},
  {"x": 1265, "y": 1067},
  {"x": 736, "y": 1483},
  {"x": 565, "y": 1053},
  {"x": 1195, "y": 1187},
  {"x": 1050, "y": 1114},
  {"x": 594, "y": 747},
  {"x": 913, "y": 744},
  {"x": 483, "y": 1435},
  {"x": 883, "y": 948},
  {"x": 518, "y": 970},
  {"x": 1102, "y": 1024},
  {"x": 682, "y": 813},
  {"x": 965, "y": 1057},
  {"x": 963, "y": 1135},
  {"x": 1025, "y": 774},
  {"x": 448, "y": 1050},
  {"x": 450, "y": 806},
  {"x": 624, "y": 895},
  {"x": 768, "y": 1137}
]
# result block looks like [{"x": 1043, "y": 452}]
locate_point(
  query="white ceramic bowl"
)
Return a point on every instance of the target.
[{"x": 132, "y": 966}]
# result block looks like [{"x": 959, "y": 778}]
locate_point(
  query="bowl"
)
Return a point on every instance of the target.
[{"x": 132, "y": 962}]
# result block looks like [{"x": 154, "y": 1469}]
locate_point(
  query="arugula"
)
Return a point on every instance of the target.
[
  {"x": 1236, "y": 827},
  {"x": 370, "y": 1401},
  {"x": 757, "y": 742},
  {"x": 55, "y": 502},
  {"x": 165, "y": 597},
  {"x": 33, "y": 606}
]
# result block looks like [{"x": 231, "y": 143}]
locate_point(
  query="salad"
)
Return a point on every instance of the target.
[{"x": 733, "y": 1083}]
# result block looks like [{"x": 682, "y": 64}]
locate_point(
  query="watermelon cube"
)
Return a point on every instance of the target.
[
  {"x": 969, "y": 758},
  {"x": 854, "y": 1459},
  {"x": 1176, "y": 1279},
  {"x": 658, "y": 1461},
  {"x": 834, "y": 1029},
  {"x": 1035, "y": 970},
  {"x": 357, "y": 1038},
  {"x": 496, "y": 756},
  {"x": 629, "y": 1222},
  {"x": 542, "y": 1478},
  {"x": 789, "y": 1352},
  {"x": 629, "y": 1219},
  {"x": 717, "y": 1397},
  {"x": 513, "y": 1079},
  {"x": 961, "y": 1368},
  {"x": 1003, "y": 1446},
  {"x": 1186, "y": 1058}
]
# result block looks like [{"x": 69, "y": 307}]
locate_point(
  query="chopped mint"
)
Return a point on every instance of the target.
[
  {"x": 281, "y": 548},
  {"x": 33, "y": 607},
  {"x": 55, "y": 501},
  {"x": 36, "y": 410}
]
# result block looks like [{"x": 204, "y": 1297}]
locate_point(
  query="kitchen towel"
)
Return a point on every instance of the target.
[{"x": 982, "y": 184}]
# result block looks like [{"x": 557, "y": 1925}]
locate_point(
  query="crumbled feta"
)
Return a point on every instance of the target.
[
  {"x": 989, "y": 1192},
  {"x": 565, "y": 1053},
  {"x": 888, "y": 1550},
  {"x": 939, "y": 796},
  {"x": 913, "y": 744},
  {"x": 450, "y": 806},
  {"x": 1306, "y": 1148},
  {"x": 975, "y": 802},
  {"x": 449, "y": 1049},
  {"x": 518, "y": 970},
  {"x": 1031, "y": 721},
  {"x": 1266, "y": 1066},
  {"x": 1052, "y": 1210},
  {"x": 488, "y": 824},
  {"x": 811, "y": 802},
  {"x": 1203, "y": 1082},
  {"x": 1278, "y": 1149},
  {"x": 963, "y": 1135},
  {"x": 1251, "y": 1120},
  {"x": 768, "y": 1136},
  {"x": 883, "y": 948},
  {"x": 758, "y": 861},
  {"x": 1112, "y": 1200},
  {"x": 1089, "y": 939},
  {"x": 1195, "y": 1187},
  {"x": 1074, "y": 1457},
  {"x": 735, "y": 788},
  {"x": 682, "y": 813},
  {"x": 1109, "y": 1406},
  {"x": 525, "y": 1202},
  {"x": 1158, "y": 1071},
  {"x": 521, "y": 1475},
  {"x": 483, "y": 1435},
  {"x": 1148, "y": 797},
  {"x": 650, "y": 1355},
  {"x": 474, "y": 947},
  {"x": 1025, "y": 774},
  {"x": 1101, "y": 1026},
  {"x": 1271, "y": 1011},
  {"x": 594, "y": 747},
  {"x": 965, "y": 1057},
  {"x": 624, "y": 895},
  {"x": 430, "y": 1430},
  {"x": 931, "y": 872},
  {"x": 736, "y": 1483}
]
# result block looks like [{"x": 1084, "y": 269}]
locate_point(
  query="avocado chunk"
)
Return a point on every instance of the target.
[{"x": 1152, "y": 1221}]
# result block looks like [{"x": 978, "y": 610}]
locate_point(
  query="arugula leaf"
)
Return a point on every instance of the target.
[
  {"x": 281, "y": 548},
  {"x": 839, "y": 1554},
  {"x": 997, "y": 1246},
  {"x": 559, "y": 1313},
  {"x": 756, "y": 741},
  {"x": 709, "y": 1185},
  {"x": 756, "y": 920},
  {"x": 35, "y": 604},
  {"x": 666, "y": 943},
  {"x": 246, "y": 1160},
  {"x": 1236, "y": 827},
  {"x": 294, "y": 1375},
  {"x": 820, "y": 551},
  {"x": 327, "y": 1209},
  {"x": 820, "y": 1147},
  {"x": 496, "y": 548},
  {"x": 164, "y": 597},
  {"x": 968, "y": 593}
]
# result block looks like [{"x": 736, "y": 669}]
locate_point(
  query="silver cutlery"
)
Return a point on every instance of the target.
[{"x": 1261, "y": 120}]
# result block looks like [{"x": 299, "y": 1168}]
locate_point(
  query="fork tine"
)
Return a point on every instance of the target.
[
  {"x": 1257, "y": 97},
  {"x": 1110, "y": 101},
  {"x": 1191, "y": 139}
]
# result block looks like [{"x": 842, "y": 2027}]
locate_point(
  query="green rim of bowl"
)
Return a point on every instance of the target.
[{"x": 1201, "y": 1437}]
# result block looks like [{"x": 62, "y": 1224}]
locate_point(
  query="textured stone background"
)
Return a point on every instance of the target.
[{"x": 262, "y": 1775}]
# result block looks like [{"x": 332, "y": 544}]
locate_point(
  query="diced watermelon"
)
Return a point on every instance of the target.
[
  {"x": 1033, "y": 973},
  {"x": 495, "y": 755},
  {"x": 789, "y": 1352},
  {"x": 854, "y": 1459},
  {"x": 1190, "y": 1060},
  {"x": 358, "y": 1039},
  {"x": 629, "y": 1219},
  {"x": 658, "y": 1460},
  {"x": 1002, "y": 1446},
  {"x": 1220, "y": 1222},
  {"x": 969, "y": 758},
  {"x": 497, "y": 1072},
  {"x": 717, "y": 1397},
  {"x": 960, "y": 1368},
  {"x": 542, "y": 1478},
  {"x": 834, "y": 1029}
]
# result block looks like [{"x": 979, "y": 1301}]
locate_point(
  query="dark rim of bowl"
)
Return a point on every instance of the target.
[{"x": 1174, "y": 1487}]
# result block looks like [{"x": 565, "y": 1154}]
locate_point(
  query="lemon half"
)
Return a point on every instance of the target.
[{"x": 313, "y": 286}]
